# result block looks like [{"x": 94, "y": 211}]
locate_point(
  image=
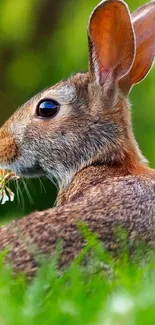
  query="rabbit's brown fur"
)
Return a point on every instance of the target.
[
  {"x": 89, "y": 146},
  {"x": 128, "y": 202}
]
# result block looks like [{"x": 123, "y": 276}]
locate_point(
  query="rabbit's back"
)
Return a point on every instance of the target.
[{"x": 126, "y": 202}]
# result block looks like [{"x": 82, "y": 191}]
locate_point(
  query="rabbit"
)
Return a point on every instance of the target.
[{"x": 79, "y": 132}]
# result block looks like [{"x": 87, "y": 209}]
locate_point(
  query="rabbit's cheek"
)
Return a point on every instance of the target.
[
  {"x": 17, "y": 153},
  {"x": 26, "y": 162}
]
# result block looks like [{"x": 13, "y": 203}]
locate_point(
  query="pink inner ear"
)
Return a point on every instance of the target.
[{"x": 112, "y": 43}]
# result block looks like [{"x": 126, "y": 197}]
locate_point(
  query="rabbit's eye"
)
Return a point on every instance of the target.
[{"x": 47, "y": 108}]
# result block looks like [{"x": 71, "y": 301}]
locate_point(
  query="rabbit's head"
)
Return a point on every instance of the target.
[{"x": 85, "y": 119}]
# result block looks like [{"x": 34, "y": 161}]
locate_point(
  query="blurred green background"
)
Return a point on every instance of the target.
[{"x": 41, "y": 42}]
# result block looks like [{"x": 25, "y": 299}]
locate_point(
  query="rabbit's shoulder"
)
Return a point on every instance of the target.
[{"x": 122, "y": 196}]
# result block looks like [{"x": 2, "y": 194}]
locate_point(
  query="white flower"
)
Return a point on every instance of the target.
[
  {"x": 3, "y": 197},
  {"x": 5, "y": 193}
]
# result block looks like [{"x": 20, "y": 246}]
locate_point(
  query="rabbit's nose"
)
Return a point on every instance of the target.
[{"x": 8, "y": 147}]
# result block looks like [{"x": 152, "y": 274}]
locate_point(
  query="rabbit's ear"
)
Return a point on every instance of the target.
[
  {"x": 143, "y": 21},
  {"x": 111, "y": 42}
]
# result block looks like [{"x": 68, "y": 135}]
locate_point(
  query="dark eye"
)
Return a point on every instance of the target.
[{"x": 47, "y": 108}]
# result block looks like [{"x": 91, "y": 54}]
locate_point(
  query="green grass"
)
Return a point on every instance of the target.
[{"x": 105, "y": 291}]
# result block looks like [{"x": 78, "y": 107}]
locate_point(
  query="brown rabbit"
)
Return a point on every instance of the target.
[{"x": 79, "y": 132}]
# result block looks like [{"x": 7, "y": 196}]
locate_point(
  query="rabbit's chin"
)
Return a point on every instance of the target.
[
  {"x": 24, "y": 171},
  {"x": 30, "y": 172}
]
